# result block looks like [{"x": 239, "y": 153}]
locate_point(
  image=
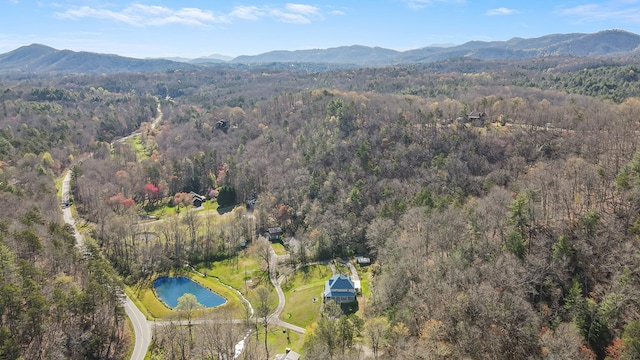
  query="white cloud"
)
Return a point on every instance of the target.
[
  {"x": 419, "y": 4},
  {"x": 501, "y": 11},
  {"x": 302, "y": 9},
  {"x": 620, "y": 10},
  {"x": 153, "y": 15},
  {"x": 289, "y": 17},
  {"x": 146, "y": 15},
  {"x": 89, "y": 12},
  {"x": 296, "y": 13},
  {"x": 247, "y": 13},
  {"x": 338, "y": 12}
]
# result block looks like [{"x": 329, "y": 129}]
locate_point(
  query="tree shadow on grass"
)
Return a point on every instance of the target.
[
  {"x": 261, "y": 277},
  {"x": 349, "y": 308},
  {"x": 224, "y": 210}
]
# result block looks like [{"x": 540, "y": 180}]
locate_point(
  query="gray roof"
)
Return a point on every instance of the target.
[{"x": 291, "y": 355}]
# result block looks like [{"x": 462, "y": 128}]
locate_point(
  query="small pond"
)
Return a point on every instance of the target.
[{"x": 169, "y": 289}]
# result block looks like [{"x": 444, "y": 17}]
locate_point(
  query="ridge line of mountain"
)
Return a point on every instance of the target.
[{"x": 37, "y": 58}]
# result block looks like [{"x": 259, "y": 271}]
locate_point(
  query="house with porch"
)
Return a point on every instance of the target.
[{"x": 340, "y": 289}]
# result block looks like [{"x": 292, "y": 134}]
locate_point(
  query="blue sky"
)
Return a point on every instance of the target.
[{"x": 193, "y": 28}]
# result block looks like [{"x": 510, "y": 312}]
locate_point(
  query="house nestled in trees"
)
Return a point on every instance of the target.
[
  {"x": 198, "y": 199},
  {"x": 340, "y": 289},
  {"x": 274, "y": 233},
  {"x": 476, "y": 117},
  {"x": 251, "y": 203},
  {"x": 222, "y": 125}
]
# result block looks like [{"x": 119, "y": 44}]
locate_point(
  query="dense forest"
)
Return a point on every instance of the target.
[{"x": 511, "y": 235}]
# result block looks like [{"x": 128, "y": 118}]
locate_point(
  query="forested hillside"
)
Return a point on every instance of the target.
[{"x": 510, "y": 236}]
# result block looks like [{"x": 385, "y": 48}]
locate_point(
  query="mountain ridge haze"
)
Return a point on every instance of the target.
[{"x": 41, "y": 58}]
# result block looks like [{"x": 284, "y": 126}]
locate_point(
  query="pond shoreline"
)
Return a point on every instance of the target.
[{"x": 167, "y": 293}]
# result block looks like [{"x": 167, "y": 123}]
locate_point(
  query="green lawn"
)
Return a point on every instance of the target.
[
  {"x": 153, "y": 308},
  {"x": 59, "y": 183},
  {"x": 243, "y": 274},
  {"x": 365, "y": 282},
  {"x": 278, "y": 339},
  {"x": 234, "y": 301},
  {"x": 365, "y": 279},
  {"x": 211, "y": 205},
  {"x": 136, "y": 144},
  {"x": 235, "y": 271},
  {"x": 163, "y": 210},
  {"x": 342, "y": 268},
  {"x": 255, "y": 301},
  {"x": 300, "y": 289},
  {"x": 146, "y": 300}
]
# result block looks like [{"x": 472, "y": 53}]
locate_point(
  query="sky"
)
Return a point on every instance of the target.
[{"x": 196, "y": 28}]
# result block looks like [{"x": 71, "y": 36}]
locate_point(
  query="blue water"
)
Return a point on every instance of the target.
[{"x": 169, "y": 289}]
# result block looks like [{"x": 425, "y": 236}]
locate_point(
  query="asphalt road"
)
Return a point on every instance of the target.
[{"x": 141, "y": 327}]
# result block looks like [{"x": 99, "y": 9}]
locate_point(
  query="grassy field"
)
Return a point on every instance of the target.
[
  {"x": 279, "y": 248},
  {"x": 278, "y": 339},
  {"x": 300, "y": 289},
  {"x": 136, "y": 144},
  {"x": 342, "y": 268},
  {"x": 364, "y": 272},
  {"x": 59, "y": 183},
  {"x": 234, "y": 301},
  {"x": 243, "y": 274},
  {"x": 365, "y": 282},
  {"x": 153, "y": 308},
  {"x": 164, "y": 210},
  {"x": 235, "y": 271}
]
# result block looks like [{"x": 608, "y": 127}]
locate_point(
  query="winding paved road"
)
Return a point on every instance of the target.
[{"x": 141, "y": 327}]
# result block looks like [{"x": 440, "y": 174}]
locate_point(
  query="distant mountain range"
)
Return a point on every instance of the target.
[
  {"x": 40, "y": 58},
  {"x": 603, "y": 43},
  {"x": 214, "y": 58}
]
